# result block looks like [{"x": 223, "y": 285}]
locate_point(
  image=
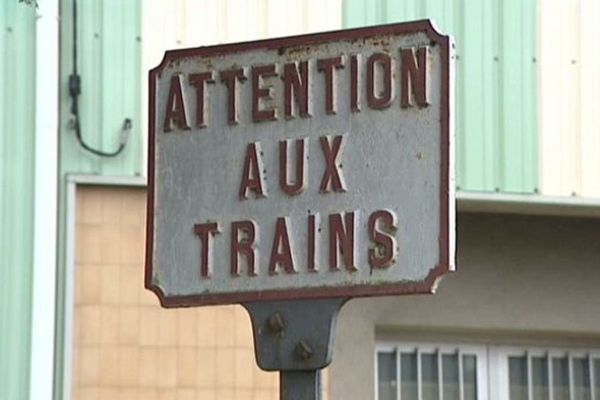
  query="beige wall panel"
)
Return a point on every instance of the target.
[
  {"x": 172, "y": 24},
  {"x": 569, "y": 95},
  {"x": 124, "y": 344}
]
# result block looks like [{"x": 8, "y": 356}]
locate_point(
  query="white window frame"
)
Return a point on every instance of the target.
[{"x": 480, "y": 352}]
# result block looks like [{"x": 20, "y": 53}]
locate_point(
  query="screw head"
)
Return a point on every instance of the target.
[
  {"x": 304, "y": 350},
  {"x": 276, "y": 323}
]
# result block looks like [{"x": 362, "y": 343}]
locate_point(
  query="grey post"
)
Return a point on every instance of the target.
[{"x": 295, "y": 337}]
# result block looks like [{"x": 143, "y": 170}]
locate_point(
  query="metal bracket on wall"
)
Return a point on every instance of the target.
[{"x": 295, "y": 337}]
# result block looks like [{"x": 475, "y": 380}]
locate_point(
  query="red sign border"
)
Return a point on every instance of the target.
[{"x": 425, "y": 286}]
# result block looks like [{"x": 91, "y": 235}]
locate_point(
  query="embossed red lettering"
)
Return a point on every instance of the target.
[
  {"x": 333, "y": 179},
  {"x": 243, "y": 246},
  {"x": 199, "y": 82},
  {"x": 252, "y": 179},
  {"x": 175, "y": 110},
  {"x": 297, "y": 84},
  {"x": 296, "y": 187},
  {"x": 382, "y": 227},
  {"x": 341, "y": 237},
  {"x": 384, "y": 98},
  {"x": 231, "y": 77},
  {"x": 328, "y": 66},
  {"x": 311, "y": 245},
  {"x": 205, "y": 232},
  {"x": 261, "y": 92},
  {"x": 413, "y": 77},
  {"x": 354, "y": 106},
  {"x": 281, "y": 252}
]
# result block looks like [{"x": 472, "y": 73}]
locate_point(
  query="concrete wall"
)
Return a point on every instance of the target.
[{"x": 520, "y": 280}]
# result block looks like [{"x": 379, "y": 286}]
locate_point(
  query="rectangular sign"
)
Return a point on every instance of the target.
[{"x": 302, "y": 167}]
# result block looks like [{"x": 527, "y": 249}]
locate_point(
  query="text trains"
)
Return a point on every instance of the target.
[
  {"x": 341, "y": 241},
  {"x": 376, "y": 86}
]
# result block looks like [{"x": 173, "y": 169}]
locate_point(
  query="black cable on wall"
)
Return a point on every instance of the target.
[{"x": 75, "y": 91}]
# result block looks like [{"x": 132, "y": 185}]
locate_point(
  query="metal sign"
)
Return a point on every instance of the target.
[{"x": 305, "y": 167}]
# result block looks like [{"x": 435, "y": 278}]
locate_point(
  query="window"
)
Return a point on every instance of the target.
[
  {"x": 458, "y": 372},
  {"x": 546, "y": 374},
  {"x": 431, "y": 372}
]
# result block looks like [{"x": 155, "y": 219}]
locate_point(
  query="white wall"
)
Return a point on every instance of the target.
[{"x": 569, "y": 97}]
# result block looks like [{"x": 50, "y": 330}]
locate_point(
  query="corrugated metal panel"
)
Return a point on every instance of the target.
[
  {"x": 17, "y": 151},
  {"x": 189, "y": 23},
  {"x": 496, "y": 82},
  {"x": 109, "y": 63},
  {"x": 570, "y": 97}
]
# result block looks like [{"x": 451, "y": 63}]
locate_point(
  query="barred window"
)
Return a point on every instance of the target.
[
  {"x": 409, "y": 371},
  {"x": 427, "y": 372},
  {"x": 548, "y": 374}
]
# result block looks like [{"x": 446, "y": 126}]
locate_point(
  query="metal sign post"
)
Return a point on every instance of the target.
[
  {"x": 292, "y": 174},
  {"x": 296, "y": 338}
]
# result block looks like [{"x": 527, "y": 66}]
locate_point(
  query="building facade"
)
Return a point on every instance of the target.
[{"x": 516, "y": 321}]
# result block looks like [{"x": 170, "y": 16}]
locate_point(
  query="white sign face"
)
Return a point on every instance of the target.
[{"x": 303, "y": 167}]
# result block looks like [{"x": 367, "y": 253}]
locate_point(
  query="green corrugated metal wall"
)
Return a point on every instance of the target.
[
  {"x": 109, "y": 57},
  {"x": 496, "y": 83},
  {"x": 109, "y": 63},
  {"x": 17, "y": 149}
]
